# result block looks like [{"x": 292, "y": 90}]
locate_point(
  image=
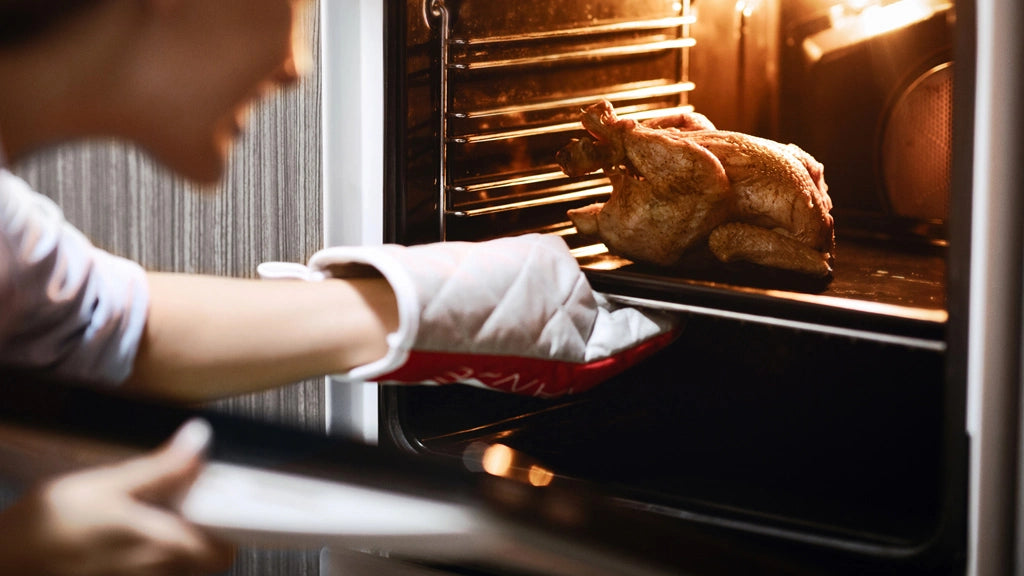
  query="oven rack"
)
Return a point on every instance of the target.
[
  {"x": 509, "y": 191},
  {"x": 579, "y": 31},
  {"x": 624, "y": 93},
  {"x": 583, "y": 53},
  {"x": 636, "y": 112},
  {"x": 545, "y": 185},
  {"x": 497, "y": 144}
]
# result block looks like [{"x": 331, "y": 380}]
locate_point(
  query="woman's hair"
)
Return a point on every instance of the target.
[{"x": 21, "y": 20}]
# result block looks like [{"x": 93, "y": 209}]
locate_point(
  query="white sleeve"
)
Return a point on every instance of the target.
[{"x": 67, "y": 308}]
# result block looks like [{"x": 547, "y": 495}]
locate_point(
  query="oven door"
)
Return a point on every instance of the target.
[{"x": 379, "y": 512}]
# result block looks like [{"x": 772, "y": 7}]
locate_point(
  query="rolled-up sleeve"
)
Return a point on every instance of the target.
[{"x": 67, "y": 308}]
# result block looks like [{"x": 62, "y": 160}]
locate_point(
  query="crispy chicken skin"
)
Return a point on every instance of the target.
[{"x": 678, "y": 184}]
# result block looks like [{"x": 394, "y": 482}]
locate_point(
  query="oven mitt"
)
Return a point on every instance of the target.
[{"x": 514, "y": 314}]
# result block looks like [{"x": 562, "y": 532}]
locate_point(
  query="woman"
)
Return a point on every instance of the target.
[{"x": 176, "y": 77}]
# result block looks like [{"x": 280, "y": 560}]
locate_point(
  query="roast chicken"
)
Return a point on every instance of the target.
[{"x": 679, "y": 185}]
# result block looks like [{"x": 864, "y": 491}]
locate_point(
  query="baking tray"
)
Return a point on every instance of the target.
[{"x": 878, "y": 291}]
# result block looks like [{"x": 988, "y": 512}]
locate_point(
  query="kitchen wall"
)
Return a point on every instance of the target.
[{"x": 268, "y": 207}]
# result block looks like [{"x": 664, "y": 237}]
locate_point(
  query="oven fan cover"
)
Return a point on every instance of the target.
[{"x": 916, "y": 146}]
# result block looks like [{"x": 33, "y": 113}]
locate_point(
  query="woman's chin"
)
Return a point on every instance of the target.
[
  {"x": 205, "y": 171},
  {"x": 200, "y": 165}
]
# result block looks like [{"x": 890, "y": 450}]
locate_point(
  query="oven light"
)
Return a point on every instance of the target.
[
  {"x": 497, "y": 460},
  {"x": 540, "y": 477},
  {"x": 877, "y": 20},
  {"x": 747, "y": 7},
  {"x": 857, "y": 6},
  {"x": 856, "y": 21},
  {"x": 504, "y": 462}
]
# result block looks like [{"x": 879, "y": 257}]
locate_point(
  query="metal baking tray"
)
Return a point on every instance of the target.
[{"x": 877, "y": 292}]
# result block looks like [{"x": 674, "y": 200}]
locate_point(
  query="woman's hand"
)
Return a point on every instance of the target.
[{"x": 115, "y": 520}]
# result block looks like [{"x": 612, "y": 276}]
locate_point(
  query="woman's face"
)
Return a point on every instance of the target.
[{"x": 224, "y": 55}]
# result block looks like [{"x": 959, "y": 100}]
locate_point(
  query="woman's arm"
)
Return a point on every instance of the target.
[{"x": 210, "y": 337}]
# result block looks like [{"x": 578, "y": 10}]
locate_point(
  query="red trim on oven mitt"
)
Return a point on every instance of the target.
[
  {"x": 540, "y": 377},
  {"x": 514, "y": 314}
]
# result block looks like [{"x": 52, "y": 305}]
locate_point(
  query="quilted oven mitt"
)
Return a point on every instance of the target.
[{"x": 514, "y": 314}]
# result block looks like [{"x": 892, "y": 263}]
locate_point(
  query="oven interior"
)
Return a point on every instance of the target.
[{"x": 815, "y": 413}]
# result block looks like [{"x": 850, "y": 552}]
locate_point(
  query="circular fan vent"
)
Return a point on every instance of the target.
[{"x": 917, "y": 140}]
